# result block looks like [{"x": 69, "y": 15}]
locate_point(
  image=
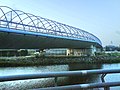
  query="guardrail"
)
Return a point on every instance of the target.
[
  {"x": 104, "y": 72},
  {"x": 83, "y": 86}
]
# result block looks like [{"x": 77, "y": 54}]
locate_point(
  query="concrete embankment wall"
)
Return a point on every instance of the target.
[{"x": 31, "y": 61}]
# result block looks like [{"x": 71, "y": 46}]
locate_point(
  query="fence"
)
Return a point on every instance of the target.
[{"x": 103, "y": 72}]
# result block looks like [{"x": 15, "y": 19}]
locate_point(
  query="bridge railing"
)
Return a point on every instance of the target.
[{"x": 103, "y": 72}]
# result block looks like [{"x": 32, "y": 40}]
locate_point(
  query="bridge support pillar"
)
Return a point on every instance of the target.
[
  {"x": 42, "y": 52},
  {"x": 93, "y": 50}
]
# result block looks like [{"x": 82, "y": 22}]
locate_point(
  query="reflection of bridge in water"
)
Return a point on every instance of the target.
[{"x": 23, "y": 30}]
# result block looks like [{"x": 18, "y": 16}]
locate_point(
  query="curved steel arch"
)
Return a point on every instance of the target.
[
  {"x": 12, "y": 10},
  {"x": 45, "y": 25}
]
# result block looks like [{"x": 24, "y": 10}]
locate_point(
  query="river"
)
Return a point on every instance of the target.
[{"x": 36, "y": 83}]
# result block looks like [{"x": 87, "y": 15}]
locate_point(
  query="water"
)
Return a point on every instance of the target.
[{"x": 36, "y": 83}]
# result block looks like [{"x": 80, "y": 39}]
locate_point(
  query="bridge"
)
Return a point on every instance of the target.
[{"x": 21, "y": 30}]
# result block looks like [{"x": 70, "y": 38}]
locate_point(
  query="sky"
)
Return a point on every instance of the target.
[{"x": 99, "y": 17}]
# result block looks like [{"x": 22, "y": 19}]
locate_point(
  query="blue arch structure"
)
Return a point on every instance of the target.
[{"x": 19, "y": 22}]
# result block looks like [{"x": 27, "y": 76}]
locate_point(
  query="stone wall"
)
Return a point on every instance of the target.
[{"x": 33, "y": 61}]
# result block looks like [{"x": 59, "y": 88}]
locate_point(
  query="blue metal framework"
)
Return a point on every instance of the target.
[{"x": 19, "y": 20}]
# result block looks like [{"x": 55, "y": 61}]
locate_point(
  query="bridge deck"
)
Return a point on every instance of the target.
[{"x": 23, "y": 30}]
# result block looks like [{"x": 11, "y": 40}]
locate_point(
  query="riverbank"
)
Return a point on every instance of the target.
[{"x": 50, "y": 60}]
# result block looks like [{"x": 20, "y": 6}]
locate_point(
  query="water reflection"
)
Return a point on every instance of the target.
[
  {"x": 30, "y": 84},
  {"x": 112, "y": 77},
  {"x": 86, "y": 78},
  {"x": 79, "y": 66},
  {"x": 30, "y": 70}
]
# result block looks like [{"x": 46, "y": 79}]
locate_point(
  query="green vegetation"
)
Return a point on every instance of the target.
[{"x": 49, "y": 60}]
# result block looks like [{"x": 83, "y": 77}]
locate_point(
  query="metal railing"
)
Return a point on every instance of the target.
[
  {"x": 103, "y": 72},
  {"x": 106, "y": 86}
]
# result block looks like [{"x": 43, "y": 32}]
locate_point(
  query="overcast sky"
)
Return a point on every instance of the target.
[{"x": 99, "y": 17}]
